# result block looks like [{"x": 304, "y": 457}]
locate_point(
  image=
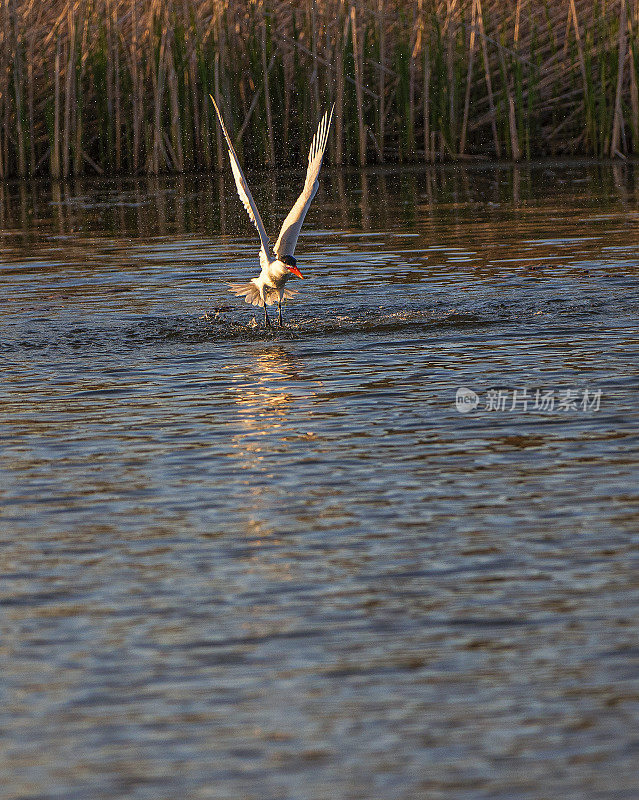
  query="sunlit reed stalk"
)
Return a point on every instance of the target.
[
  {"x": 267, "y": 96},
  {"x": 615, "y": 143},
  {"x": 340, "y": 43},
  {"x": 634, "y": 92},
  {"x": 489, "y": 83},
  {"x": 451, "y": 30},
  {"x": 175, "y": 147},
  {"x": 68, "y": 93},
  {"x": 116, "y": 81},
  {"x": 18, "y": 89},
  {"x": 510, "y": 101},
  {"x": 357, "y": 62},
  {"x": 381, "y": 88},
  {"x": 469, "y": 76},
  {"x": 314, "y": 77},
  {"x": 55, "y": 151}
]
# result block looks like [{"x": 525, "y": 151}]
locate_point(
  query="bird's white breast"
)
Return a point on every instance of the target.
[{"x": 277, "y": 273}]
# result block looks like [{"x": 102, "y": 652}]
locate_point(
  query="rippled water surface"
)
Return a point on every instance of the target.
[{"x": 240, "y": 563}]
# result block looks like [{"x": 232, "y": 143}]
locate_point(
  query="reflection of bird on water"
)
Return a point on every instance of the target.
[
  {"x": 277, "y": 268},
  {"x": 271, "y": 382}
]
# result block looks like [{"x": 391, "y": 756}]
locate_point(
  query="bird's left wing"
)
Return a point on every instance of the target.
[
  {"x": 242, "y": 186},
  {"x": 287, "y": 239}
]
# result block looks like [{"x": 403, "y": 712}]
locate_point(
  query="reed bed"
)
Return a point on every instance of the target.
[{"x": 121, "y": 86}]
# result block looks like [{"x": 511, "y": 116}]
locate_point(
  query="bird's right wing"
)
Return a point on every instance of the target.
[
  {"x": 242, "y": 186},
  {"x": 287, "y": 239}
]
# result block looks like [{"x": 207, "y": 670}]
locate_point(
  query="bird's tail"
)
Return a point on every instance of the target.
[
  {"x": 251, "y": 293},
  {"x": 248, "y": 291}
]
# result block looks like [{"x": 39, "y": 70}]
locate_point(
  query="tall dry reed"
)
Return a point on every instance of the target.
[{"x": 122, "y": 85}]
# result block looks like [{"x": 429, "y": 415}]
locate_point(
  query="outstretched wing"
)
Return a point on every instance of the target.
[
  {"x": 287, "y": 239},
  {"x": 242, "y": 186}
]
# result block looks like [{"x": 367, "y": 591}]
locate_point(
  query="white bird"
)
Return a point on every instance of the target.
[{"x": 277, "y": 267}]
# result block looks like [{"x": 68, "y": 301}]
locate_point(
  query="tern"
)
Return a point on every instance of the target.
[{"x": 277, "y": 266}]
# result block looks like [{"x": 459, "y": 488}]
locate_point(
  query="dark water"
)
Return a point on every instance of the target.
[{"x": 253, "y": 564}]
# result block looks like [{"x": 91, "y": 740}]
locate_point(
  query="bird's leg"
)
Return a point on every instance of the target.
[
  {"x": 267, "y": 321},
  {"x": 279, "y": 308}
]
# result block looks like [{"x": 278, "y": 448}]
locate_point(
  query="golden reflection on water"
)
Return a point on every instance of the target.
[{"x": 265, "y": 403}]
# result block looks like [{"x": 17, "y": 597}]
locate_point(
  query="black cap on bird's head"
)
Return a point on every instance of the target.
[{"x": 291, "y": 263}]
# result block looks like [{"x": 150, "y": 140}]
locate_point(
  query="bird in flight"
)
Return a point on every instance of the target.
[{"x": 277, "y": 266}]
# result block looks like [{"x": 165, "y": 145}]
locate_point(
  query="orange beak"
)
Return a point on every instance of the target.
[{"x": 295, "y": 271}]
